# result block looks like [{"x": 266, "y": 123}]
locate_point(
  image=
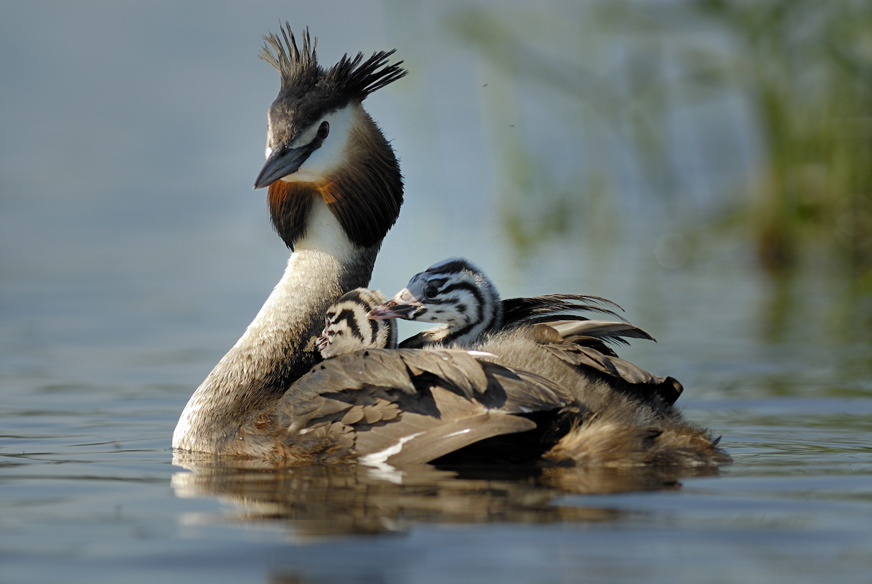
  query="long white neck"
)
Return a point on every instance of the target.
[{"x": 277, "y": 346}]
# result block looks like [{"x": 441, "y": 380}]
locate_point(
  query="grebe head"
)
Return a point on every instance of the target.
[
  {"x": 348, "y": 328},
  {"x": 453, "y": 292},
  {"x": 322, "y": 144}
]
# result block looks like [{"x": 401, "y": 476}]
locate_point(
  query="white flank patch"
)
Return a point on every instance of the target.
[
  {"x": 481, "y": 354},
  {"x": 378, "y": 460},
  {"x": 458, "y": 433}
]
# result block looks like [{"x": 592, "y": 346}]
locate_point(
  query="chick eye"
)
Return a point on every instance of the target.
[
  {"x": 430, "y": 291},
  {"x": 323, "y": 130}
]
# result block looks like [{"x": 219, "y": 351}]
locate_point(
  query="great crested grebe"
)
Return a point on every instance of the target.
[
  {"x": 348, "y": 327},
  {"x": 453, "y": 292},
  {"x": 459, "y": 295},
  {"x": 465, "y": 301},
  {"x": 334, "y": 191},
  {"x": 467, "y": 305}
]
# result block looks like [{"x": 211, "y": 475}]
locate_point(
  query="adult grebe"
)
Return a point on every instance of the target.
[{"x": 334, "y": 191}]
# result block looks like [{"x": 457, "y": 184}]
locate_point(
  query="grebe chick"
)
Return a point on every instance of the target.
[
  {"x": 348, "y": 328},
  {"x": 461, "y": 297},
  {"x": 452, "y": 292}
]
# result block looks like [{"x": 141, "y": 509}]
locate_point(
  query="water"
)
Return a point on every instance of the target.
[{"x": 134, "y": 254}]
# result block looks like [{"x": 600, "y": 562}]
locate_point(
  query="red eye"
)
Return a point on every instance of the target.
[{"x": 323, "y": 130}]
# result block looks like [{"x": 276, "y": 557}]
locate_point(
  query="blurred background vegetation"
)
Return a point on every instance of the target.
[{"x": 799, "y": 187}]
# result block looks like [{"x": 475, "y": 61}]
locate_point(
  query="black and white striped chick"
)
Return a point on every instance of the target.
[
  {"x": 348, "y": 328},
  {"x": 452, "y": 292},
  {"x": 459, "y": 295}
]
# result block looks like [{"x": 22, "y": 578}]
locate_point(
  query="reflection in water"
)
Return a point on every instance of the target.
[{"x": 325, "y": 500}]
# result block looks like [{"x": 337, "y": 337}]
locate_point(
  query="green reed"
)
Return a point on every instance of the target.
[{"x": 803, "y": 67}]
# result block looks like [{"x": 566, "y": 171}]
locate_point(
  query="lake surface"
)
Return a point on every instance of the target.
[{"x": 134, "y": 253}]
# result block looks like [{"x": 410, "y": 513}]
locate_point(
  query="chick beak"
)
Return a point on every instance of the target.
[{"x": 394, "y": 309}]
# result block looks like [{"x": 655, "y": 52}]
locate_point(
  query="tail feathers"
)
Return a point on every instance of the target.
[
  {"x": 640, "y": 382},
  {"x": 599, "y": 441}
]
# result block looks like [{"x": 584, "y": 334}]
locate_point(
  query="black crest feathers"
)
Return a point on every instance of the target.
[{"x": 351, "y": 79}]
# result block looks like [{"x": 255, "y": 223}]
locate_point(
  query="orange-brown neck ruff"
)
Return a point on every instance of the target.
[
  {"x": 289, "y": 204},
  {"x": 371, "y": 169}
]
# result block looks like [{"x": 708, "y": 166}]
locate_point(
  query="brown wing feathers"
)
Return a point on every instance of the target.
[{"x": 423, "y": 404}]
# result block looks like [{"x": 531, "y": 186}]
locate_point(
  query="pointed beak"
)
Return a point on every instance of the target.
[
  {"x": 322, "y": 341},
  {"x": 281, "y": 163},
  {"x": 394, "y": 309}
]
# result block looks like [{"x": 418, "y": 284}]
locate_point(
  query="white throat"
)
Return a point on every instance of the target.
[{"x": 325, "y": 234}]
